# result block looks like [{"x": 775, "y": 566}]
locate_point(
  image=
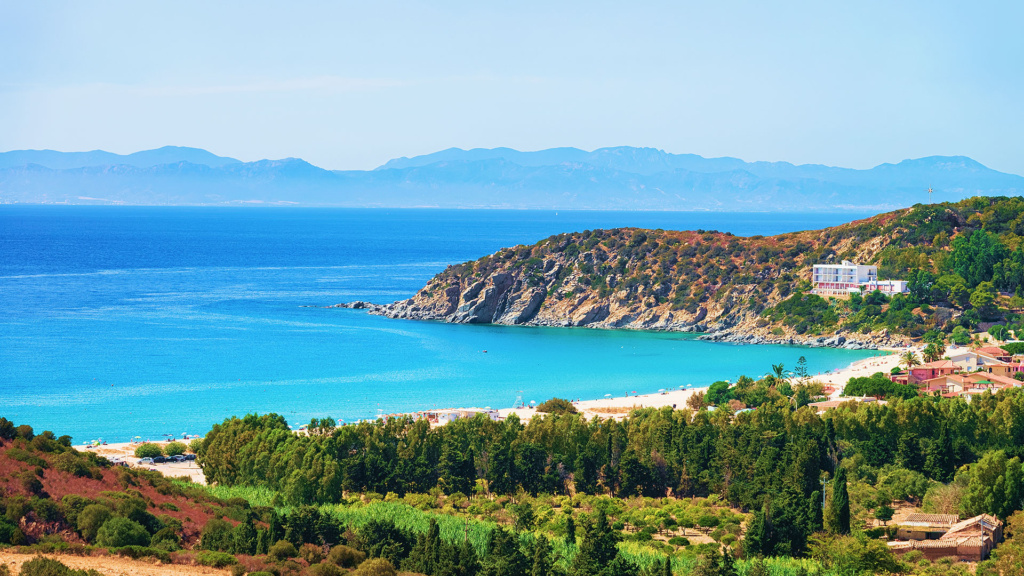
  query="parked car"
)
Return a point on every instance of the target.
[
  {"x": 146, "y": 461},
  {"x": 190, "y": 457},
  {"x": 159, "y": 460},
  {"x": 176, "y": 458}
]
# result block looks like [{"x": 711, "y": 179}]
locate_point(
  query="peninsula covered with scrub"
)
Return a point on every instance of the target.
[{"x": 963, "y": 264}]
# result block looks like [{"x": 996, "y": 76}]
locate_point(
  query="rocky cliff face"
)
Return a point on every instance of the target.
[{"x": 697, "y": 281}]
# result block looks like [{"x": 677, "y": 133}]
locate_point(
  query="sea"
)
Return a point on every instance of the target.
[{"x": 120, "y": 323}]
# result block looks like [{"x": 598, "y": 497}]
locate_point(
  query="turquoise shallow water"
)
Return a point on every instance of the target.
[{"x": 116, "y": 322}]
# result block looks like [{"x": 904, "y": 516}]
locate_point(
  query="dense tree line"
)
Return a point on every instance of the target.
[
  {"x": 771, "y": 459},
  {"x": 505, "y": 554}
]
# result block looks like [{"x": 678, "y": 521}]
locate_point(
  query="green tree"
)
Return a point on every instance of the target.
[
  {"x": 994, "y": 485},
  {"x": 117, "y": 532},
  {"x": 542, "y": 565},
  {"x": 884, "y": 513},
  {"x": 909, "y": 359},
  {"x": 837, "y": 514},
  {"x": 570, "y": 531},
  {"x": 983, "y": 299},
  {"x": 91, "y": 519}
]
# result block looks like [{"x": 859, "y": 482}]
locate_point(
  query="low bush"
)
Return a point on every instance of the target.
[
  {"x": 43, "y": 566},
  {"x": 215, "y": 559},
  {"x": 324, "y": 569},
  {"x": 148, "y": 450},
  {"x": 282, "y": 550},
  {"x": 118, "y": 532},
  {"x": 345, "y": 556},
  {"x": 556, "y": 406},
  {"x": 142, "y": 552},
  {"x": 175, "y": 448},
  {"x": 374, "y": 567},
  {"x": 311, "y": 553},
  {"x": 195, "y": 445},
  {"x": 679, "y": 541}
]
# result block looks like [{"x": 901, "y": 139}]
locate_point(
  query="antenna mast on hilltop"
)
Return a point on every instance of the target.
[{"x": 929, "y": 194}]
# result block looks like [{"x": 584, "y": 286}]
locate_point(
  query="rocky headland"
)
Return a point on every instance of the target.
[{"x": 720, "y": 285}]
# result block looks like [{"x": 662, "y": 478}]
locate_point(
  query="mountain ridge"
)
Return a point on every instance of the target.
[{"x": 617, "y": 178}]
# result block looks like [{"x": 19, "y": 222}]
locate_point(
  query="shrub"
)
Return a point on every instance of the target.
[
  {"x": 7, "y": 431},
  {"x": 117, "y": 532},
  {"x": 195, "y": 445},
  {"x": 311, "y": 553},
  {"x": 679, "y": 541},
  {"x": 216, "y": 535},
  {"x": 375, "y": 567},
  {"x": 237, "y": 570},
  {"x": 91, "y": 519},
  {"x": 557, "y": 406},
  {"x": 43, "y": 566},
  {"x": 148, "y": 450},
  {"x": 142, "y": 552},
  {"x": 215, "y": 559},
  {"x": 70, "y": 462},
  {"x": 175, "y": 448},
  {"x": 324, "y": 569},
  {"x": 25, "y": 431},
  {"x": 345, "y": 556},
  {"x": 282, "y": 550}
]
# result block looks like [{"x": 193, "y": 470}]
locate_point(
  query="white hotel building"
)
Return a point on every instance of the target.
[{"x": 845, "y": 278}]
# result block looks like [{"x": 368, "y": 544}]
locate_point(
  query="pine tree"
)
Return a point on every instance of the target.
[
  {"x": 728, "y": 567},
  {"x": 570, "y": 531},
  {"x": 541, "y": 558},
  {"x": 757, "y": 540},
  {"x": 837, "y": 519},
  {"x": 667, "y": 570}
]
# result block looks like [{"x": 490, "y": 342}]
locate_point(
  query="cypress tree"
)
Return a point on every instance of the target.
[
  {"x": 838, "y": 518},
  {"x": 541, "y": 558},
  {"x": 570, "y": 531},
  {"x": 667, "y": 570},
  {"x": 262, "y": 542},
  {"x": 757, "y": 540}
]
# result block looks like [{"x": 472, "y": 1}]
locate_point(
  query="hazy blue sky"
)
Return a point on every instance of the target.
[{"x": 350, "y": 85}]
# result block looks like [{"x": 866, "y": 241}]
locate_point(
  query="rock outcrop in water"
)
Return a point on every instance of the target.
[{"x": 698, "y": 281}]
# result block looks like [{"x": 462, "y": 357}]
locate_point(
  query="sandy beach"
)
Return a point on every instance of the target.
[{"x": 619, "y": 407}]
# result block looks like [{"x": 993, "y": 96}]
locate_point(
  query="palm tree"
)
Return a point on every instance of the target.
[
  {"x": 909, "y": 359},
  {"x": 779, "y": 370},
  {"x": 933, "y": 352}
]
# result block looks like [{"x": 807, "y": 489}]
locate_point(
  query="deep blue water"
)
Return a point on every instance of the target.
[{"x": 125, "y": 321}]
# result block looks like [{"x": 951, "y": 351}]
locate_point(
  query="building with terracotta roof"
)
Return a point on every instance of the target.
[
  {"x": 927, "y": 371},
  {"x": 994, "y": 352},
  {"x": 945, "y": 535}
]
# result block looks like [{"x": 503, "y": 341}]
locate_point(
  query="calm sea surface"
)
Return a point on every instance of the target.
[{"x": 125, "y": 321}]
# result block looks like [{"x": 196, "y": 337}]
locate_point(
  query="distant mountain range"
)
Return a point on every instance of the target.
[{"x": 621, "y": 178}]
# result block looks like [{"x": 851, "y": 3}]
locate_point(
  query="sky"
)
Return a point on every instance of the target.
[{"x": 349, "y": 85}]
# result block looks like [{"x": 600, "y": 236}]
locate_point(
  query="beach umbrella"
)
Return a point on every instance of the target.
[
  {"x": 607, "y": 395},
  {"x": 681, "y": 387}
]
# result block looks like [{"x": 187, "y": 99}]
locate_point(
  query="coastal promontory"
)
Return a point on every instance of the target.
[{"x": 747, "y": 289}]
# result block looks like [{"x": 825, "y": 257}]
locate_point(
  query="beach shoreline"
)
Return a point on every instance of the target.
[{"x": 620, "y": 406}]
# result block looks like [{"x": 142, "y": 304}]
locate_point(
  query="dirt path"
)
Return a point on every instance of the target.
[{"x": 112, "y": 565}]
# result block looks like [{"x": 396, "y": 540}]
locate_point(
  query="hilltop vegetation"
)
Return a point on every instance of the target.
[
  {"x": 691, "y": 491},
  {"x": 946, "y": 455},
  {"x": 964, "y": 263}
]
